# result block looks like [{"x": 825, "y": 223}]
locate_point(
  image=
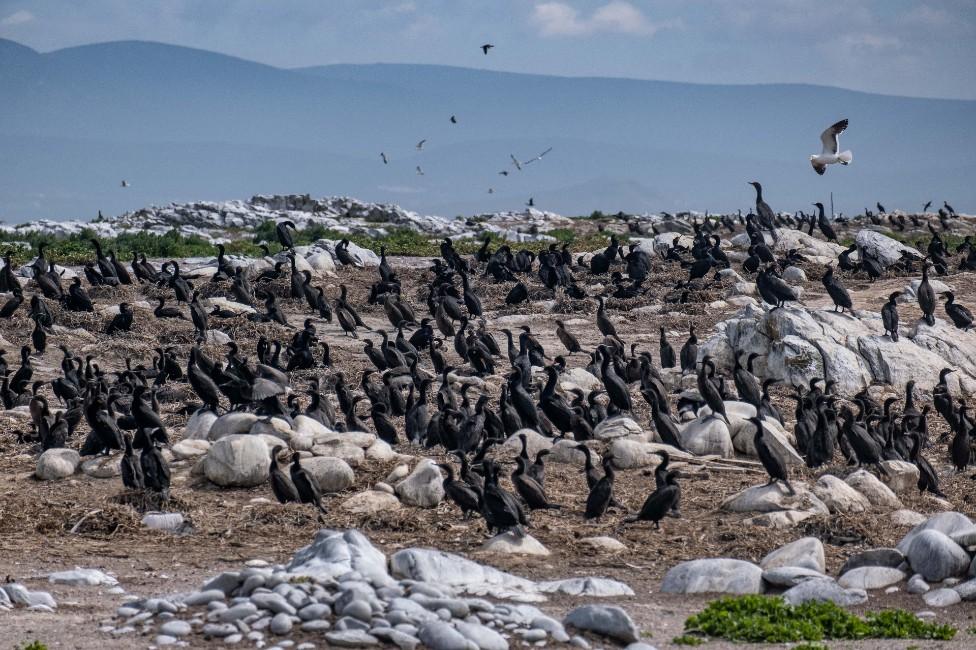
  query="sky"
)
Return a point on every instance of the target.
[{"x": 900, "y": 47}]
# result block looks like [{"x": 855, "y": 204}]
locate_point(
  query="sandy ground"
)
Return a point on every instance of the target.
[{"x": 230, "y": 527}]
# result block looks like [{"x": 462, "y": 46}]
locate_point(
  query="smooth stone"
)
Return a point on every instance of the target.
[
  {"x": 238, "y": 460},
  {"x": 839, "y": 496},
  {"x": 333, "y": 474},
  {"x": 789, "y": 576},
  {"x": 899, "y": 475},
  {"x": 423, "y": 487},
  {"x": 219, "y": 630},
  {"x": 483, "y": 637},
  {"x": 907, "y": 518},
  {"x": 280, "y": 624},
  {"x": 604, "y": 620},
  {"x": 947, "y": 523},
  {"x": 806, "y": 552},
  {"x": 714, "y": 575},
  {"x": 917, "y": 585},
  {"x": 885, "y": 557},
  {"x": 591, "y": 587},
  {"x": 314, "y": 611},
  {"x": 604, "y": 544},
  {"x": 351, "y": 639},
  {"x": 879, "y": 494},
  {"x": 175, "y": 628},
  {"x": 58, "y": 463},
  {"x": 774, "y": 497},
  {"x": 824, "y": 590},
  {"x": 82, "y": 577},
  {"x": 371, "y": 502},
  {"x": 942, "y": 597},
  {"x": 870, "y": 577},
  {"x": 509, "y": 543},
  {"x": 204, "y": 597},
  {"x": 936, "y": 557},
  {"x": 438, "y": 635},
  {"x": 358, "y": 609},
  {"x": 273, "y": 602}
]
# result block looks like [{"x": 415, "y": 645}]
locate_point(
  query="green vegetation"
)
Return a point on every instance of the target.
[
  {"x": 768, "y": 619},
  {"x": 589, "y": 241},
  {"x": 687, "y": 639},
  {"x": 33, "y": 645},
  {"x": 77, "y": 249}
]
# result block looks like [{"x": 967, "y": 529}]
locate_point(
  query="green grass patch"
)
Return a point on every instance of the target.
[
  {"x": 769, "y": 619},
  {"x": 33, "y": 645},
  {"x": 687, "y": 639},
  {"x": 78, "y": 249}
]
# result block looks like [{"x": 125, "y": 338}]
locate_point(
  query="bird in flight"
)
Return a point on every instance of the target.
[
  {"x": 925, "y": 208},
  {"x": 539, "y": 157},
  {"x": 420, "y": 145},
  {"x": 504, "y": 172},
  {"x": 486, "y": 47},
  {"x": 383, "y": 156},
  {"x": 454, "y": 119},
  {"x": 531, "y": 202},
  {"x": 491, "y": 190},
  {"x": 516, "y": 162},
  {"x": 831, "y": 144},
  {"x": 420, "y": 172},
  {"x": 125, "y": 183}
]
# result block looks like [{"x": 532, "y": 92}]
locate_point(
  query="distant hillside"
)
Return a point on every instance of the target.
[{"x": 183, "y": 124}]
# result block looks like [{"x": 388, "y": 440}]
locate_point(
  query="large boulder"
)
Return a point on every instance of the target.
[
  {"x": 56, "y": 464},
  {"x": 706, "y": 436},
  {"x": 617, "y": 427},
  {"x": 824, "y": 590},
  {"x": 947, "y": 523},
  {"x": 630, "y": 454},
  {"x": 775, "y": 497},
  {"x": 840, "y": 497},
  {"x": 423, "y": 487},
  {"x": 899, "y": 475},
  {"x": 333, "y": 474},
  {"x": 603, "y": 620},
  {"x": 509, "y": 543},
  {"x": 718, "y": 575},
  {"x": 199, "y": 425},
  {"x": 936, "y": 557},
  {"x": 874, "y": 490},
  {"x": 534, "y": 442},
  {"x": 806, "y": 552},
  {"x": 882, "y": 247},
  {"x": 371, "y": 502},
  {"x": 237, "y": 460},
  {"x": 231, "y": 423},
  {"x": 744, "y": 441},
  {"x": 871, "y": 577}
]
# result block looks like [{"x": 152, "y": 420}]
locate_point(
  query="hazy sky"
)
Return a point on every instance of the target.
[{"x": 891, "y": 46}]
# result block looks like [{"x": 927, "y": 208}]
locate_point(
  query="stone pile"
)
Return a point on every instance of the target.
[
  {"x": 936, "y": 558},
  {"x": 345, "y": 592}
]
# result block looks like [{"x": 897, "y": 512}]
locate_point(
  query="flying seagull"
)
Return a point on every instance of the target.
[
  {"x": 539, "y": 157},
  {"x": 831, "y": 145},
  {"x": 420, "y": 172},
  {"x": 518, "y": 165},
  {"x": 486, "y": 47},
  {"x": 383, "y": 156},
  {"x": 454, "y": 119},
  {"x": 125, "y": 183},
  {"x": 531, "y": 202},
  {"x": 420, "y": 145}
]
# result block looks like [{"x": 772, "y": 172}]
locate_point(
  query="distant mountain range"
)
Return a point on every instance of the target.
[{"x": 182, "y": 124}]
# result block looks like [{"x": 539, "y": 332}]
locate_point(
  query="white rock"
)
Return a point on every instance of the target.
[
  {"x": 707, "y": 436},
  {"x": 770, "y": 498},
  {"x": 424, "y": 487},
  {"x": 871, "y": 577},
  {"x": 199, "y": 425},
  {"x": 512, "y": 544},
  {"x": 231, "y": 423},
  {"x": 617, "y": 427},
  {"x": 333, "y": 474},
  {"x": 192, "y": 448},
  {"x": 713, "y": 576},
  {"x": 238, "y": 460},
  {"x": 82, "y": 577},
  {"x": 534, "y": 441},
  {"x": 604, "y": 544},
  {"x": 806, "y": 552},
  {"x": 56, "y": 464},
  {"x": 874, "y": 490},
  {"x": 103, "y": 466},
  {"x": 840, "y": 497},
  {"x": 899, "y": 475},
  {"x": 883, "y": 248},
  {"x": 371, "y": 502}
]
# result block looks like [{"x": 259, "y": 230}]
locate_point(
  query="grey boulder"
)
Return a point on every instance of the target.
[
  {"x": 716, "y": 575},
  {"x": 604, "y": 620}
]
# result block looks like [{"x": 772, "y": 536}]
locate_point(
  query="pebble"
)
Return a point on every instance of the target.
[
  {"x": 351, "y": 639},
  {"x": 219, "y": 630},
  {"x": 273, "y": 602},
  {"x": 358, "y": 609},
  {"x": 165, "y": 639},
  {"x": 175, "y": 628},
  {"x": 316, "y": 626},
  {"x": 236, "y": 612},
  {"x": 281, "y": 624},
  {"x": 204, "y": 597},
  {"x": 233, "y": 638},
  {"x": 942, "y": 597},
  {"x": 314, "y": 611}
]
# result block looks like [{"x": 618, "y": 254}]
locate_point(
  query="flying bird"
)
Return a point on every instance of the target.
[
  {"x": 831, "y": 144},
  {"x": 420, "y": 145},
  {"x": 385, "y": 160},
  {"x": 504, "y": 172},
  {"x": 491, "y": 190},
  {"x": 516, "y": 162},
  {"x": 539, "y": 157},
  {"x": 125, "y": 183},
  {"x": 531, "y": 202},
  {"x": 420, "y": 172},
  {"x": 453, "y": 119},
  {"x": 486, "y": 47}
]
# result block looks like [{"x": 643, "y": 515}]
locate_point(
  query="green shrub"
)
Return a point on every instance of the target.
[
  {"x": 33, "y": 645},
  {"x": 767, "y": 619},
  {"x": 687, "y": 639}
]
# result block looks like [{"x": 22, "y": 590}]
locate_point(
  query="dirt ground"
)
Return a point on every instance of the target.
[{"x": 231, "y": 526}]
